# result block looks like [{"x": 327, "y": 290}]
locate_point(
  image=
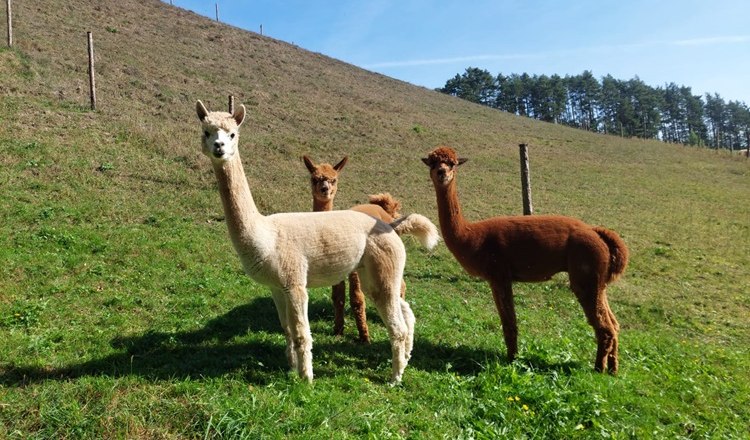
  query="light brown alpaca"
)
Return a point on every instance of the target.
[
  {"x": 505, "y": 249},
  {"x": 324, "y": 185}
]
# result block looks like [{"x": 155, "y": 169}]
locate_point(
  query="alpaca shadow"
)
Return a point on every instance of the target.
[
  {"x": 470, "y": 361},
  {"x": 211, "y": 352}
]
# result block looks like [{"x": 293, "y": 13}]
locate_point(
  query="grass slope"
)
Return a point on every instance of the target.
[{"x": 124, "y": 313}]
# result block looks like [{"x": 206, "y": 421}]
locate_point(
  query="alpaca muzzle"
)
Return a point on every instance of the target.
[{"x": 218, "y": 149}]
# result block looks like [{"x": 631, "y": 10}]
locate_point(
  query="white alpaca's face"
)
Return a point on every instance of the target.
[
  {"x": 219, "y": 144},
  {"x": 220, "y": 132}
]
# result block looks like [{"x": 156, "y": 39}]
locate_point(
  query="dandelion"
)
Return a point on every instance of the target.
[
  {"x": 525, "y": 407},
  {"x": 517, "y": 398},
  {"x": 578, "y": 427}
]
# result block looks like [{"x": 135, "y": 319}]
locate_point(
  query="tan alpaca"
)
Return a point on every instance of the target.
[
  {"x": 324, "y": 180},
  {"x": 505, "y": 249},
  {"x": 290, "y": 252}
]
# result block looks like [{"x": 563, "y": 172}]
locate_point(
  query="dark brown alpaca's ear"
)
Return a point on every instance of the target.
[
  {"x": 426, "y": 161},
  {"x": 309, "y": 164},
  {"x": 239, "y": 115},
  {"x": 341, "y": 164},
  {"x": 201, "y": 110},
  {"x": 462, "y": 160}
]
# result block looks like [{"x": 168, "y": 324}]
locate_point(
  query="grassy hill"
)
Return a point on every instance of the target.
[{"x": 124, "y": 313}]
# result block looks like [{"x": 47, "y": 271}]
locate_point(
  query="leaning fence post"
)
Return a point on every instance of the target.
[
  {"x": 92, "y": 79},
  {"x": 231, "y": 104},
  {"x": 10, "y": 23},
  {"x": 528, "y": 209},
  {"x": 217, "y": 11}
]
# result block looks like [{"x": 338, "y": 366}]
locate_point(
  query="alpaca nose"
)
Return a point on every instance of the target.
[{"x": 219, "y": 148}]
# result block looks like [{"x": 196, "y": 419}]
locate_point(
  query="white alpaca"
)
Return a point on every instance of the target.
[{"x": 289, "y": 252}]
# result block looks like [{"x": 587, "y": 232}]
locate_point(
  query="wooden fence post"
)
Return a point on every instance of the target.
[
  {"x": 10, "y": 23},
  {"x": 528, "y": 209},
  {"x": 92, "y": 79},
  {"x": 231, "y": 104},
  {"x": 217, "y": 11}
]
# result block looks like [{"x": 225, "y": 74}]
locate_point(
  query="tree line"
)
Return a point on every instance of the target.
[{"x": 626, "y": 108}]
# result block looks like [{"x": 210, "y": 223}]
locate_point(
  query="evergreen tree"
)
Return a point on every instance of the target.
[
  {"x": 611, "y": 101},
  {"x": 646, "y": 102},
  {"x": 715, "y": 119},
  {"x": 475, "y": 85},
  {"x": 738, "y": 125},
  {"x": 696, "y": 126},
  {"x": 584, "y": 93},
  {"x": 673, "y": 110}
]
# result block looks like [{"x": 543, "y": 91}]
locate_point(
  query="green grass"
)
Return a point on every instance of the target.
[{"x": 124, "y": 312}]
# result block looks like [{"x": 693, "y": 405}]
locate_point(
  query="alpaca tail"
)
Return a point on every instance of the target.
[
  {"x": 618, "y": 252},
  {"x": 418, "y": 226},
  {"x": 387, "y": 202}
]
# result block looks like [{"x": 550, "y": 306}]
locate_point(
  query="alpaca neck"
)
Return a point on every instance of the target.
[
  {"x": 239, "y": 207},
  {"x": 452, "y": 222},
  {"x": 320, "y": 205}
]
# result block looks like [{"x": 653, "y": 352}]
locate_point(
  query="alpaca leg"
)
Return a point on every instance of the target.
[
  {"x": 600, "y": 317},
  {"x": 612, "y": 358},
  {"x": 403, "y": 289},
  {"x": 502, "y": 292},
  {"x": 359, "y": 310},
  {"x": 279, "y": 299},
  {"x": 338, "y": 294},
  {"x": 390, "y": 313},
  {"x": 409, "y": 320},
  {"x": 384, "y": 294},
  {"x": 299, "y": 327}
]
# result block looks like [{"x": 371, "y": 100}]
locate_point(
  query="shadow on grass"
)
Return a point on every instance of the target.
[{"x": 210, "y": 352}]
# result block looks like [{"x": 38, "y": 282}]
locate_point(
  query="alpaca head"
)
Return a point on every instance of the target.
[
  {"x": 324, "y": 178},
  {"x": 220, "y": 132},
  {"x": 443, "y": 162}
]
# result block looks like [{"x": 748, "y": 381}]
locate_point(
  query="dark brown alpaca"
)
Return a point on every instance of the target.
[
  {"x": 324, "y": 184},
  {"x": 505, "y": 249}
]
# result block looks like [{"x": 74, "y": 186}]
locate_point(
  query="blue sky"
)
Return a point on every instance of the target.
[{"x": 701, "y": 44}]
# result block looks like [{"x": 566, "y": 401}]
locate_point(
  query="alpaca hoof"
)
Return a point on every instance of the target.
[
  {"x": 364, "y": 340},
  {"x": 395, "y": 381},
  {"x": 612, "y": 370},
  {"x": 307, "y": 378},
  {"x": 612, "y": 365}
]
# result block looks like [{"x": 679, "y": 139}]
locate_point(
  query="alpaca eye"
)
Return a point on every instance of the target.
[
  {"x": 333, "y": 182},
  {"x": 231, "y": 136},
  {"x": 207, "y": 133}
]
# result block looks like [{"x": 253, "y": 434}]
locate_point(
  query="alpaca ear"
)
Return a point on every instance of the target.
[
  {"x": 201, "y": 110},
  {"x": 462, "y": 160},
  {"x": 341, "y": 164},
  {"x": 426, "y": 161},
  {"x": 239, "y": 114},
  {"x": 309, "y": 164}
]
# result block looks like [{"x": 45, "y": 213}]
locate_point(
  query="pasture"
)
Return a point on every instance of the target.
[{"x": 124, "y": 312}]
